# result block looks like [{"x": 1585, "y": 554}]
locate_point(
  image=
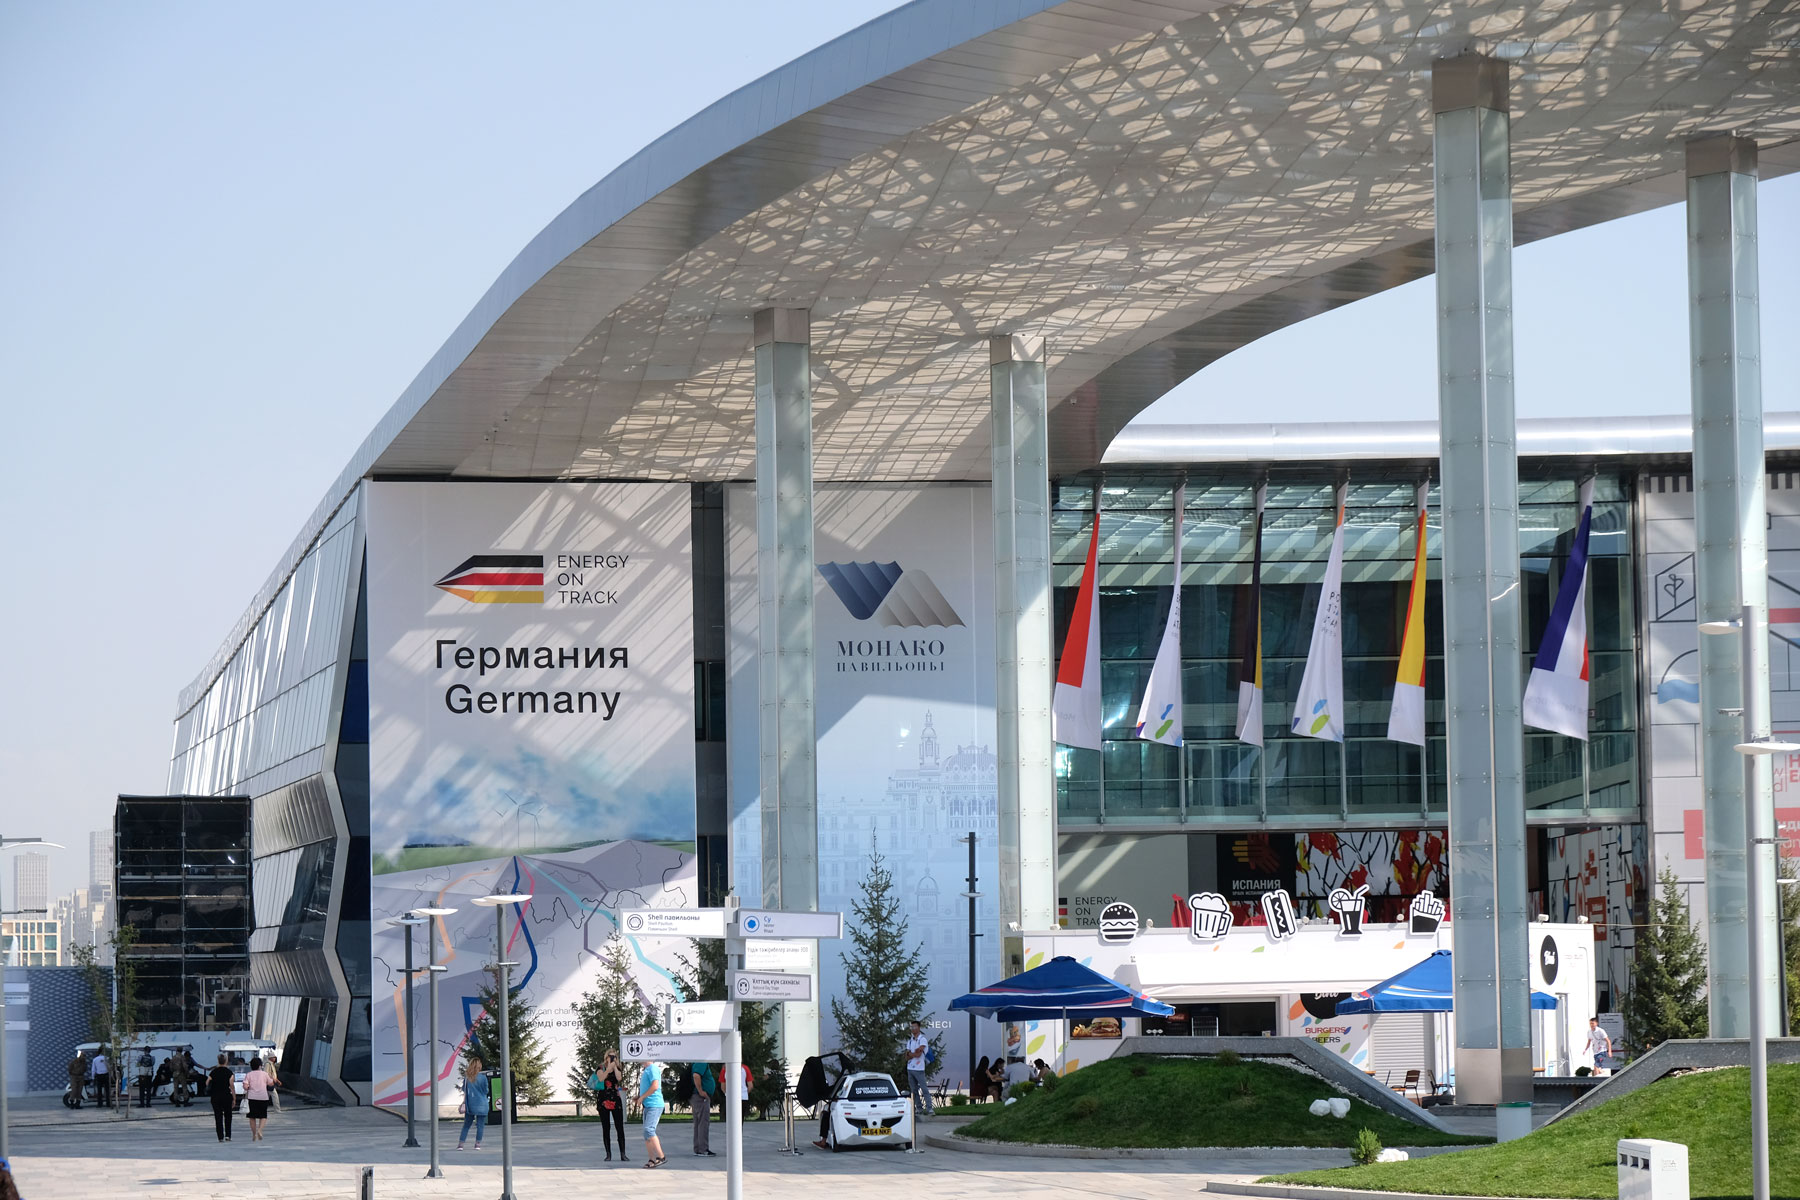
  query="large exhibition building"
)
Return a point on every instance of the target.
[{"x": 735, "y": 536}]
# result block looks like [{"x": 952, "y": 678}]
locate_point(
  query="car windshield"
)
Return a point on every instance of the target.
[{"x": 873, "y": 1089}]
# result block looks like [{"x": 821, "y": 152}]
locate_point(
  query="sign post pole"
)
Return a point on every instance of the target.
[{"x": 735, "y": 1092}]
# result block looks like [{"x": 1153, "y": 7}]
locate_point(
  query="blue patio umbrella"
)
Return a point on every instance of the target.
[
  {"x": 1061, "y": 989},
  {"x": 1423, "y": 987}
]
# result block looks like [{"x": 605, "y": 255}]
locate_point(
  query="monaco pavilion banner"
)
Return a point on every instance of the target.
[{"x": 531, "y": 709}]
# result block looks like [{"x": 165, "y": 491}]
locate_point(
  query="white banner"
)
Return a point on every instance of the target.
[{"x": 531, "y": 705}]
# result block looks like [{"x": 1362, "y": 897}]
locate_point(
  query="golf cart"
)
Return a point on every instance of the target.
[
  {"x": 238, "y": 1055},
  {"x": 90, "y": 1092},
  {"x": 862, "y": 1110}
]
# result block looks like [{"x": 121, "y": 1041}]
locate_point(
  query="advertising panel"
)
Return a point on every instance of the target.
[
  {"x": 905, "y": 667},
  {"x": 531, "y": 705}
]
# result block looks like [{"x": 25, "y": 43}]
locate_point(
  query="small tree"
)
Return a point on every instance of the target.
[
  {"x": 612, "y": 1011},
  {"x": 530, "y": 1062},
  {"x": 703, "y": 978},
  {"x": 1668, "y": 983},
  {"x": 114, "y": 1021},
  {"x": 885, "y": 984}
]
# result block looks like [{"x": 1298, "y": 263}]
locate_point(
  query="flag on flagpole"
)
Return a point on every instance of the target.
[
  {"x": 1319, "y": 707},
  {"x": 1075, "y": 710},
  {"x": 1250, "y": 679},
  {"x": 1406, "y": 720},
  {"x": 1160, "y": 715},
  {"x": 1556, "y": 698}
]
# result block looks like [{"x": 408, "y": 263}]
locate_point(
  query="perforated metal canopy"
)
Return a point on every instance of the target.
[{"x": 1149, "y": 184}]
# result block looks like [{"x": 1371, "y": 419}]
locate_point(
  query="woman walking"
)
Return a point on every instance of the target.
[
  {"x": 477, "y": 1099},
  {"x": 257, "y": 1085},
  {"x": 651, "y": 1099},
  {"x": 608, "y": 1084},
  {"x": 219, "y": 1091}
]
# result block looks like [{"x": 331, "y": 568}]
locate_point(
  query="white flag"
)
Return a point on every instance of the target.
[
  {"x": 1075, "y": 704},
  {"x": 1319, "y": 707},
  {"x": 1160, "y": 716}
]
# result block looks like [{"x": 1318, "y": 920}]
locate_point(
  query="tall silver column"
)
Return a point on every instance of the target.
[
  {"x": 1732, "y": 562},
  {"x": 787, "y": 736},
  {"x": 1481, "y": 583},
  {"x": 1027, "y": 789}
]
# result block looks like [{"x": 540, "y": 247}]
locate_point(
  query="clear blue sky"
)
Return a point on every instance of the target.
[{"x": 231, "y": 234}]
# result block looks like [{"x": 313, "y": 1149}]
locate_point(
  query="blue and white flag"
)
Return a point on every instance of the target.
[
  {"x": 1159, "y": 716},
  {"x": 1319, "y": 707},
  {"x": 1556, "y": 698}
]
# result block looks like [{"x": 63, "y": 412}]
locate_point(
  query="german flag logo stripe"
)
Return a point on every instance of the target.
[{"x": 497, "y": 579}]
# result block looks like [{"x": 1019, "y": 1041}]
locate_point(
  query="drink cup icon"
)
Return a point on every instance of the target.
[{"x": 1349, "y": 907}]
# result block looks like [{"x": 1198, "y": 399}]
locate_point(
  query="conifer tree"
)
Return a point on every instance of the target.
[
  {"x": 1668, "y": 981},
  {"x": 610, "y": 1012},
  {"x": 530, "y": 1061},
  {"x": 703, "y": 978},
  {"x": 885, "y": 984}
]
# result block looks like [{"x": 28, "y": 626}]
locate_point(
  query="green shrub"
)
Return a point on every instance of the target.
[
  {"x": 1245, "y": 1088},
  {"x": 1228, "y": 1058},
  {"x": 1049, "y": 1081},
  {"x": 1139, "y": 1070},
  {"x": 1023, "y": 1088},
  {"x": 1584, "y": 1071},
  {"x": 1085, "y": 1107},
  {"x": 1634, "y": 1130},
  {"x": 1367, "y": 1147}
]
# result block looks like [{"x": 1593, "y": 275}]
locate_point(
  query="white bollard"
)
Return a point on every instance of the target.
[{"x": 1652, "y": 1170}]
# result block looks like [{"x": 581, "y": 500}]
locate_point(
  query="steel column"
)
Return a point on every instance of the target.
[
  {"x": 1731, "y": 564},
  {"x": 1482, "y": 668},
  {"x": 1022, "y": 695},
  {"x": 787, "y": 736}
]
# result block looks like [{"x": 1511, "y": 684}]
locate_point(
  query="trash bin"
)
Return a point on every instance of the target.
[{"x": 1652, "y": 1170}]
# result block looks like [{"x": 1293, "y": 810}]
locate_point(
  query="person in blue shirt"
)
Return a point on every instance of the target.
[
  {"x": 651, "y": 1098},
  {"x": 477, "y": 1099}
]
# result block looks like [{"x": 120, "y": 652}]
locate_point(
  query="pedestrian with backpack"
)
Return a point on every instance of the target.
[{"x": 703, "y": 1081}]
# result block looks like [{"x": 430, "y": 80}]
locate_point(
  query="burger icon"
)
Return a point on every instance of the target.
[{"x": 1118, "y": 922}]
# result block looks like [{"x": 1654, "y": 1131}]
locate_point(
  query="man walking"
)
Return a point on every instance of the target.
[
  {"x": 704, "y": 1081},
  {"x": 917, "y": 1046},
  {"x": 78, "y": 1078},
  {"x": 102, "y": 1076},
  {"x": 1599, "y": 1047}
]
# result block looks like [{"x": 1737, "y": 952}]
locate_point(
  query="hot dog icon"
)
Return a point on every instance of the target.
[
  {"x": 1278, "y": 914},
  {"x": 1212, "y": 916}
]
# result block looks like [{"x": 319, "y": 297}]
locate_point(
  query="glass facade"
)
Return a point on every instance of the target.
[
  {"x": 184, "y": 888},
  {"x": 1216, "y": 780}
]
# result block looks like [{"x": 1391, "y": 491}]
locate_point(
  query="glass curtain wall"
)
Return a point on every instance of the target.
[{"x": 1216, "y": 779}]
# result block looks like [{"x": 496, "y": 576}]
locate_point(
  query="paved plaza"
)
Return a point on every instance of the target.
[{"x": 319, "y": 1152}]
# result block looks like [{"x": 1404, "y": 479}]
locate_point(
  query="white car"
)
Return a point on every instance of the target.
[{"x": 866, "y": 1110}]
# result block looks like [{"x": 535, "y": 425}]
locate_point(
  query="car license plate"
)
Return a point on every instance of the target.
[{"x": 876, "y": 1131}]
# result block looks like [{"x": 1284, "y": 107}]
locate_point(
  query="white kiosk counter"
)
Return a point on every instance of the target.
[{"x": 1249, "y": 983}]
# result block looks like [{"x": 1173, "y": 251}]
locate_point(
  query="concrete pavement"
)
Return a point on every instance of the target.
[{"x": 319, "y": 1152}]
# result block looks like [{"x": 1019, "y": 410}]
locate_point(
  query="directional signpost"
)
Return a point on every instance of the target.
[
  {"x": 767, "y": 986},
  {"x": 673, "y": 922},
  {"x": 662, "y": 1047},
  {"x": 783, "y": 946}
]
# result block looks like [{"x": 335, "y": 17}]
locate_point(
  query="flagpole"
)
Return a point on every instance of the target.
[
  {"x": 1181, "y": 760},
  {"x": 1421, "y": 497},
  {"x": 1343, "y": 498},
  {"x": 1099, "y": 485},
  {"x": 1260, "y": 498}
]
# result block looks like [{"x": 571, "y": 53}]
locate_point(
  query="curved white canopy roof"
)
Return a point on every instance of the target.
[{"x": 1149, "y": 184}]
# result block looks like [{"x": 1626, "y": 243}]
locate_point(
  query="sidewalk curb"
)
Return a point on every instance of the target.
[
  {"x": 951, "y": 1141},
  {"x": 1296, "y": 1191}
]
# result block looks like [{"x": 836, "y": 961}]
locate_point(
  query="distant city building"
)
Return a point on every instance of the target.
[
  {"x": 31, "y": 941},
  {"x": 84, "y": 916},
  {"x": 100, "y": 859},
  {"x": 184, "y": 888},
  {"x": 31, "y": 882}
]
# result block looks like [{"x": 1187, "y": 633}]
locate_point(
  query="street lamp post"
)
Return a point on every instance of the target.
[
  {"x": 503, "y": 998},
  {"x": 1753, "y": 647},
  {"x": 972, "y": 896},
  {"x": 432, "y": 971},
  {"x": 5, "y": 1120},
  {"x": 408, "y": 922}
]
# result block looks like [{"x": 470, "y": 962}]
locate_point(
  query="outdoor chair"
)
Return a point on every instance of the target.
[{"x": 1409, "y": 1087}]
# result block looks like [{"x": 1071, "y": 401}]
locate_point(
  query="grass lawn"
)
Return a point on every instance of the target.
[
  {"x": 1709, "y": 1112},
  {"x": 1179, "y": 1102}
]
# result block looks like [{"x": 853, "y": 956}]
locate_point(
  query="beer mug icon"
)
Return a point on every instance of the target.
[
  {"x": 1212, "y": 916},
  {"x": 1349, "y": 907}
]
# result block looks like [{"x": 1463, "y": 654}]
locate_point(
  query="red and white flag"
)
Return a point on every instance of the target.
[{"x": 1075, "y": 710}]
